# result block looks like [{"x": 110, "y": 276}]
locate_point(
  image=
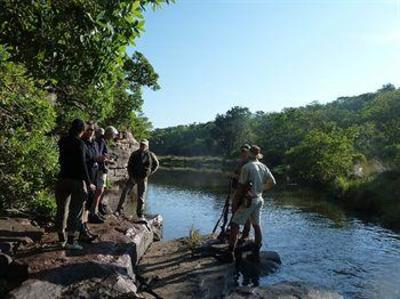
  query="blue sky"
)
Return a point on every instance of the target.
[{"x": 266, "y": 55}]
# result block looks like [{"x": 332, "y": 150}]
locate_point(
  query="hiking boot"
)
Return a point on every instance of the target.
[
  {"x": 73, "y": 246},
  {"x": 103, "y": 210},
  {"x": 86, "y": 238},
  {"x": 94, "y": 218},
  {"x": 86, "y": 235}
]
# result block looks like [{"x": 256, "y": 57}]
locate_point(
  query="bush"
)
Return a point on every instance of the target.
[
  {"x": 44, "y": 204},
  {"x": 322, "y": 157},
  {"x": 28, "y": 156}
]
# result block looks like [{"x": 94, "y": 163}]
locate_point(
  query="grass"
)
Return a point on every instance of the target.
[{"x": 194, "y": 239}]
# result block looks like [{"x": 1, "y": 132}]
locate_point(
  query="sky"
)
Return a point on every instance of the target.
[{"x": 265, "y": 55}]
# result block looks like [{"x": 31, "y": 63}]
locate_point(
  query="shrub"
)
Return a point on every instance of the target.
[
  {"x": 321, "y": 157},
  {"x": 28, "y": 157}
]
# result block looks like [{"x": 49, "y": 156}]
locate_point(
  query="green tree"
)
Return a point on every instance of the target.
[
  {"x": 232, "y": 129},
  {"x": 28, "y": 157},
  {"x": 321, "y": 157}
]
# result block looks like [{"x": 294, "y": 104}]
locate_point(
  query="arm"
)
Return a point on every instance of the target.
[
  {"x": 83, "y": 165},
  {"x": 130, "y": 165},
  {"x": 156, "y": 164},
  {"x": 270, "y": 180}
]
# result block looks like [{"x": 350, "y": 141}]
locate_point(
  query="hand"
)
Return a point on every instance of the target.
[{"x": 92, "y": 187}]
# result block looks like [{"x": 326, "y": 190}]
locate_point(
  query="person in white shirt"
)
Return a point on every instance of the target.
[{"x": 255, "y": 177}]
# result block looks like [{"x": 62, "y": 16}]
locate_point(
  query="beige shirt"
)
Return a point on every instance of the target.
[{"x": 258, "y": 174}]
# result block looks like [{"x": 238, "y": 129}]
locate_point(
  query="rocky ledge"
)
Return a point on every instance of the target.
[{"x": 103, "y": 269}]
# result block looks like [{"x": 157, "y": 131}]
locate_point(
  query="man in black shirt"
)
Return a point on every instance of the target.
[{"x": 71, "y": 188}]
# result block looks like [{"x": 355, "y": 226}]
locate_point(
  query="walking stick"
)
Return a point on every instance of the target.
[{"x": 225, "y": 211}]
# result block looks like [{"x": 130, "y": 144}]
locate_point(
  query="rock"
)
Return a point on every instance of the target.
[
  {"x": 7, "y": 247},
  {"x": 286, "y": 290},
  {"x": 36, "y": 289},
  {"x": 17, "y": 272},
  {"x": 5, "y": 261},
  {"x": 20, "y": 227},
  {"x": 103, "y": 269}
]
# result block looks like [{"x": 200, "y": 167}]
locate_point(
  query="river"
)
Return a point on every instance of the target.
[{"x": 318, "y": 241}]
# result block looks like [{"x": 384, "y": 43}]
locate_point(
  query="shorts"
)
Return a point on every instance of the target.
[
  {"x": 101, "y": 178},
  {"x": 253, "y": 212}
]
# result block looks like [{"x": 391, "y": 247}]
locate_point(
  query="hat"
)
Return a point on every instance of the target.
[
  {"x": 111, "y": 131},
  {"x": 245, "y": 147},
  {"x": 256, "y": 152},
  {"x": 145, "y": 142}
]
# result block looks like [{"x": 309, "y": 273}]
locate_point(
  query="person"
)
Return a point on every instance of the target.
[
  {"x": 142, "y": 163},
  {"x": 244, "y": 158},
  {"x": 93, "y": 158},
  {"x": 110, "y": 133},
  {"x": 72, "y": 186},
  {"x": 254, "y": 178},
  {"x": 97, "y": 207}
]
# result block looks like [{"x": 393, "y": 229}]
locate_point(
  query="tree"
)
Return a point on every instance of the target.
[
  {"x": 232, "y": 129},
  {"x": 28, "y": 156},
  {"x": 321, "y": 157},
  {"x": 77, "y": 49}
]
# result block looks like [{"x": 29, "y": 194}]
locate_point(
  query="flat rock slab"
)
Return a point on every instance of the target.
[
  {"x": 55, "y": 273},
  {"x": 173, "y": 271},
  {"x": 285, "y": 290},
  {"x": 17, "y": 228}
]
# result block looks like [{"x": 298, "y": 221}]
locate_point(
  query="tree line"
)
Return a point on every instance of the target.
[
  {"x": 60, "y": 60},
  {"x": 316, "y": 144}
]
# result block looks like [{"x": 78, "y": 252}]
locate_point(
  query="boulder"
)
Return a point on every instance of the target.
[
  {"x": 285, "y": 290},
  {"x": 19, "y": 227}
]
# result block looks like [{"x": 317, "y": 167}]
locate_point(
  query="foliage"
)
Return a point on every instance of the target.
[
  {"x": 321, "y": 157},
  {"x": 317, "y": 143},
  {"x": 64, "y": 59},
  {"x": 77, "y": 49},
  {"x": 231, "y": 129},
  {"x": 43, "y": 204},
  {"x": 28, "y": 156}
]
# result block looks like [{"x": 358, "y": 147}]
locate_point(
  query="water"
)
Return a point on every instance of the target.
[{"x": 318, "y": 242}]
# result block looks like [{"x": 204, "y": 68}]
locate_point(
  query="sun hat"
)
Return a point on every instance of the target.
[{"x": 145, "y": 142}]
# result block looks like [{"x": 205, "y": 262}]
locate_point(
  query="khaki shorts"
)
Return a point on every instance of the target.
[
  {"x": 101, "y": 178},
  {"x": 253, "y": 212}
]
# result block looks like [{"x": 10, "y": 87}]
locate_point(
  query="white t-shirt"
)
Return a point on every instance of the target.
[{"x": 257, "y": 173}]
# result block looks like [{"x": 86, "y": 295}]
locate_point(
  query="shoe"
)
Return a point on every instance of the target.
[
  {"x": 86, "y": 235},
  {"x": 94, "y": 218},
  {"x": 103, "y": 210},
  {"x": 73, "y": 246},
  {"x": 118, "y": 213}
]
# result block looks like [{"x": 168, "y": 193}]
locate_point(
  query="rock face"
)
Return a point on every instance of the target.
[
  {"x": 286, "y": 290},
  {"x": 105, "y": 266}
]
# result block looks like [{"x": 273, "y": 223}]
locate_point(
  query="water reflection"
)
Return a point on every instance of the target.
[{"x": 317, "y": 241}]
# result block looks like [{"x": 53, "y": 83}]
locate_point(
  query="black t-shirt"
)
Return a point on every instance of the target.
[{"x": 72, "y": 159}]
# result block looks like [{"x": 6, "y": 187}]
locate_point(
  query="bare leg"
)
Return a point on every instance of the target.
[{"x": 97, "y": 196}]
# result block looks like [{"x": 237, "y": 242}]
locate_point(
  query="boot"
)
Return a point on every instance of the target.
[
  {"x": 72, "y": 244},
  {"x": 94, "y": 218}
]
